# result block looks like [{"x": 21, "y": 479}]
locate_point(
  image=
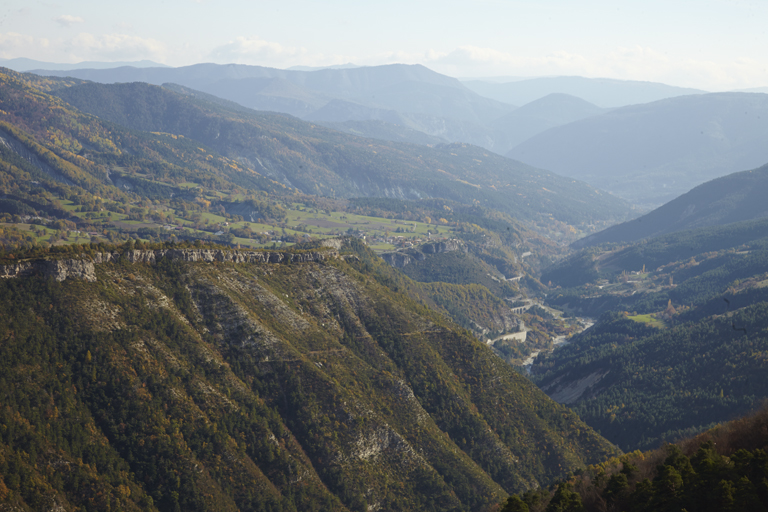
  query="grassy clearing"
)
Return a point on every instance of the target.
[
  {"x": 69, "y": 205},
  {"x": 648, "y": 319},
  {"x": 318, "y": 222},
  {"x": 44, "y": 234},
  {"x": 212, "y": 217}
]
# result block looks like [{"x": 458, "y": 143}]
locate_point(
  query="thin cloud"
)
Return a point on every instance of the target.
[
  {"x": 123, "y": 27},
  {"x": 13, "y": 44},
  {"x": 115, "y": 47},
  {"x": 623, "y": 63},
  {"x": 253, "y": 50},
  {"x": 67, "y": 20}
]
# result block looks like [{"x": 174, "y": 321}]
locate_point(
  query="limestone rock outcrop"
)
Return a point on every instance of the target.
[
  {"x": 84, "y": 266},
  {"x": 400, "y": 259},
  {"x": 57, "y": 269}
]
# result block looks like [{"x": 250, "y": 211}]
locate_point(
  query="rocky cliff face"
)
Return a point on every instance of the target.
[
  {"x": 83, "y": 267},
  {"x": 57, "y": 269},
  {"x": 400, "y": 259},
  {"x": 211, "y": 255}
]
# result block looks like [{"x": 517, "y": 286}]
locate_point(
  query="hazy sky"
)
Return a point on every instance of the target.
[{"x": 710, "y": 44}]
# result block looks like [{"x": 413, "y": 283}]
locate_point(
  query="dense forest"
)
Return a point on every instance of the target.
[
  {"x": 648, "y": 384},
  {"x": 725, "y": 469},
  {"x": 673, "y": 311}
]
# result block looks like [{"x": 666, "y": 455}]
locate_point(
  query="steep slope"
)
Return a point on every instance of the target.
[
  {"x": 382, "y": 130},
  {"x": 733, "y": 198},
  {"x": 654, "y": 152},
  {"x": 320, "y": 161},
  {"x": 604, "y": 92},
  {"x": 274, "y": 94},
  {"x": 283, "y": 381}
]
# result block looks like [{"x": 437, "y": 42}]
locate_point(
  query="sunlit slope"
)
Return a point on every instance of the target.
[{"x": 59, "y": 144}]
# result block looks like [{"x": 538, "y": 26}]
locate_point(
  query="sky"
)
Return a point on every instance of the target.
[{"x": 708, "y": 44}]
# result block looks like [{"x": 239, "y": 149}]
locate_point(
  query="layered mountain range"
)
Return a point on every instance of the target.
[
  {"x": 642, "y": 141},
  {"x": 651, "y": 153},
  {"x": 272, "y": 148},
  {"x": 603, "y": 92},
  {"x": 165, "y": 374}
]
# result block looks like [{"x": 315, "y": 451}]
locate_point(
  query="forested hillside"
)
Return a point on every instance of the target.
[
  {"x": 676, "y": 255},
  {"x": 682, "y": 339},
  {"x": 173, "y": 378},
  {"x": 723, "y": 469},
  {"x": 640, "y": 385}
]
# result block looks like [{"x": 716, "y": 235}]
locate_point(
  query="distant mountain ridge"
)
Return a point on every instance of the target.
[
  {"x": 553, "y": 110},
  {"x": 651, "y": 153},
  {"x": 326, "y": 162},
  {"x": 378, "y": 86},
  {"x": 317, "y": 68},
  {"x": 23, "y": 64},
  {"x": 270, "y": 152},
  {"x": 603, "y": 92},
  {"x": 405, "y": 97},
  {"x": 737, "y": 197}
]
